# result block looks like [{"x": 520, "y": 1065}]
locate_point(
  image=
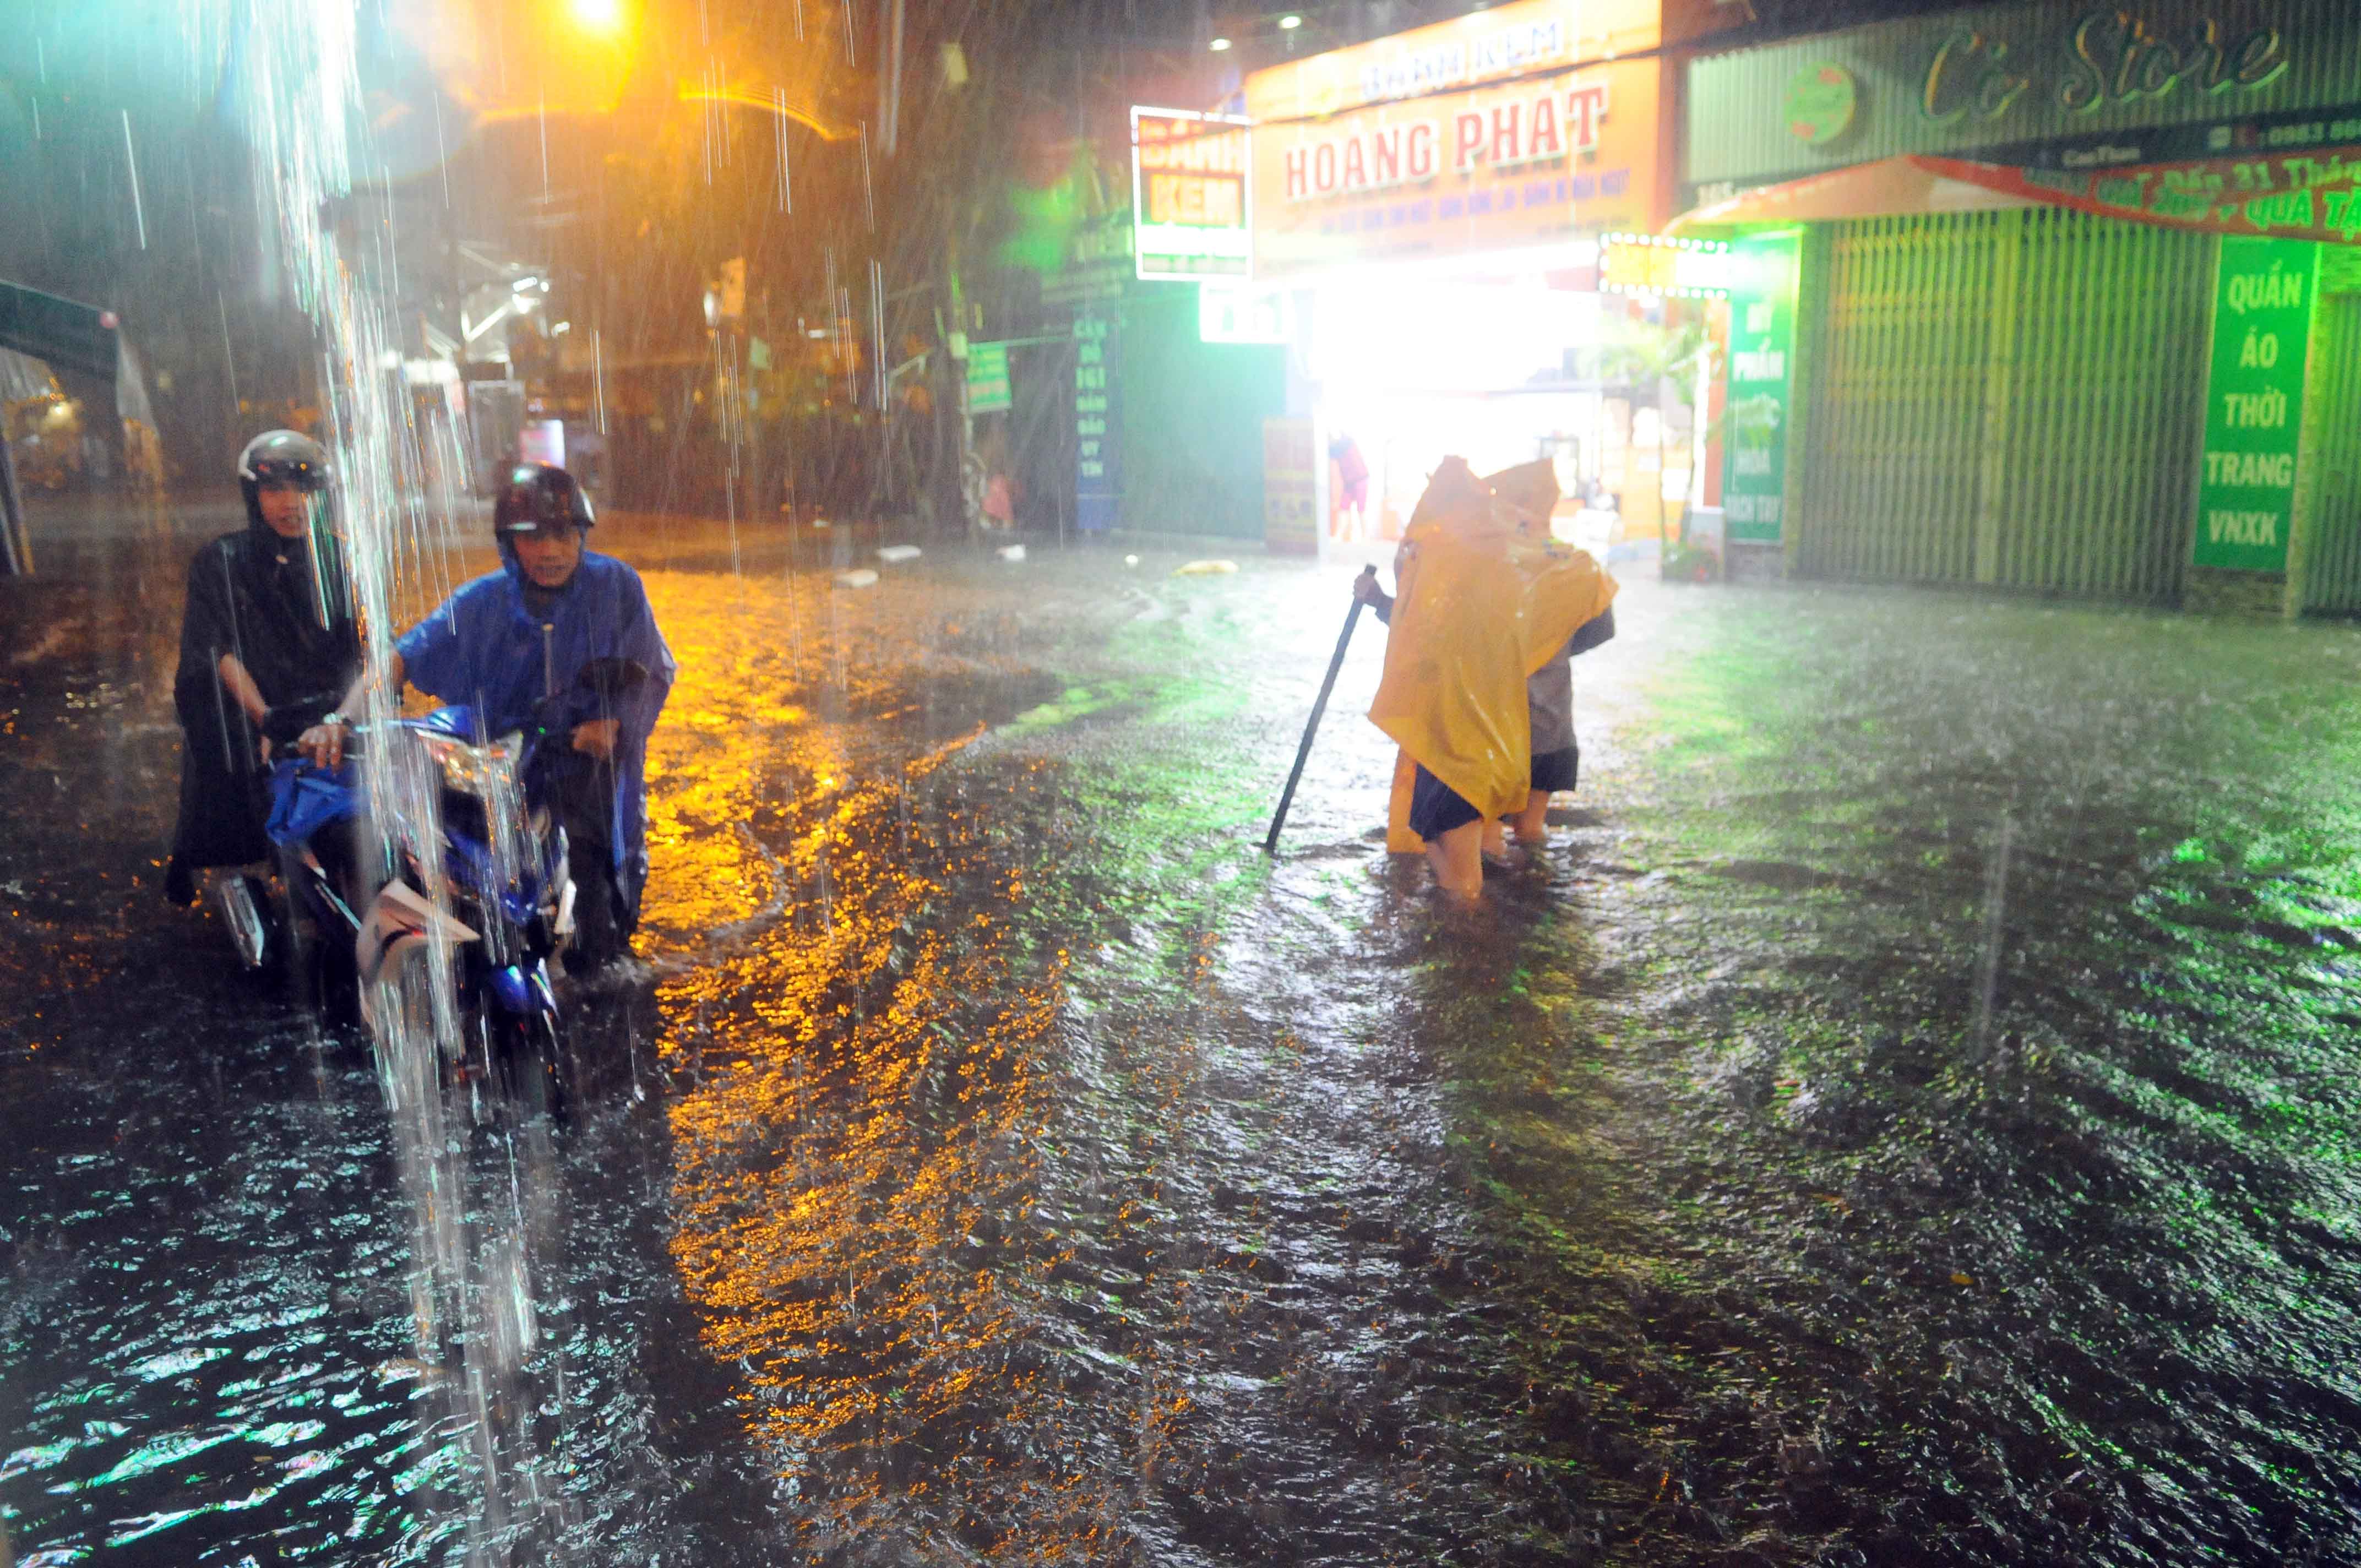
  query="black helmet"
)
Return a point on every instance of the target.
[
  {"x": 279, "y": 457},
  {"x": 535, "y": 496}
]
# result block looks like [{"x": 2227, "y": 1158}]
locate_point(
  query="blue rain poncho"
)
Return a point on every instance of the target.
[{"x": 483, "y": 646}]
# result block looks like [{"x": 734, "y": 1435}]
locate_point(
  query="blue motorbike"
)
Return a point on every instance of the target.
[{"x": 457, "y": 946}]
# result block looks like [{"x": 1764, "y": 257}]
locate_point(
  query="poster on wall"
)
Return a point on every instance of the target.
[
  {"x": 1098, "y": 480},
  {"x": 1291, "y": 487},
  {"x": 2253, "y": 403},
  {"x": 1762, "y": 276}
]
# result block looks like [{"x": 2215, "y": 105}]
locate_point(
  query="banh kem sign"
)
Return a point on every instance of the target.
[
  {"x": 1189, "y": 192},
  {"x": 1761, "y": 345},
  {"x": 2253, "y": 403},
  {"x": 2110, "y": 57}
]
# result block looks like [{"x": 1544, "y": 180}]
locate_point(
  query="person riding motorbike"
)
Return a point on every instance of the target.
[
  {"x": 516, "y": 641},
  {"x": 268, "y": 640}
]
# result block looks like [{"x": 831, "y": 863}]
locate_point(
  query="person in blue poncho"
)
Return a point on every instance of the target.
[{"x": 510, "y": 640}]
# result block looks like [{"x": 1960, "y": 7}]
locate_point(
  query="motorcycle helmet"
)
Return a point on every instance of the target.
[
  {"x": 279, "y": 457},
  {"x": 537, "y": 496}
]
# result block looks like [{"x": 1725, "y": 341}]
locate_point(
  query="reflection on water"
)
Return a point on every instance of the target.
[
  {"x": 1905, "y": 1118},
  {"x": 861, "y": 1087}
]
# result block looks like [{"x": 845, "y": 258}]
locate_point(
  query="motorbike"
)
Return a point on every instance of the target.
[
  {"x": 455, "y": 947},
  {"x": 307, "y": 933},
  {"x": 487, "y": 895}
]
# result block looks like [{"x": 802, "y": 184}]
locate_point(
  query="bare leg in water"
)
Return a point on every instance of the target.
[{"x": 1457, "y": 858}]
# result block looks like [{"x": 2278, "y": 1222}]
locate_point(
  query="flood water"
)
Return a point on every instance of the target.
[{"x": 1906, "y": 1116}]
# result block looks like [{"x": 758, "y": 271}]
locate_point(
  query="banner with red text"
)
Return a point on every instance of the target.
[{"x": 2297, "y": 195}]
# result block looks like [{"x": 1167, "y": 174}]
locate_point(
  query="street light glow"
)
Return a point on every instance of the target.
[
  {"x": 1218, "y": 45},
  {"x": 599, "y": 16},
  {"x": 1289, "y": 23}
]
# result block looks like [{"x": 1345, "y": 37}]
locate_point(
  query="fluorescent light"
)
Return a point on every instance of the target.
[
  {"x": 1218, "y": 45},
  {"x": 1289, "y": 23}
]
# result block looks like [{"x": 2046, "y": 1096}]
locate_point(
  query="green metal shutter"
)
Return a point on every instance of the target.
[
  {"x": 2014, "y": 398},
  {"x": 2333, "y": 581}
]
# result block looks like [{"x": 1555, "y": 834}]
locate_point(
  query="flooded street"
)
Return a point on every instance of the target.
[{"x": 1905, "y": 1115}]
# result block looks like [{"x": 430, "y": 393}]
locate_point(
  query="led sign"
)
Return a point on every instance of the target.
[
  {"x": 1188, "y": 194},
  {"x": 1244, "y": 314},
  {"x": 1652, "y": 263}
]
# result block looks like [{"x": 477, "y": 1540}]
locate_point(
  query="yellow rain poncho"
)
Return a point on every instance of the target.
[{"x": 1487, "y": 597}]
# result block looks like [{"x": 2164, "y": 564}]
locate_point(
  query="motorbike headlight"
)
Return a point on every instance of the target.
[{"x": 472, "y": 770}]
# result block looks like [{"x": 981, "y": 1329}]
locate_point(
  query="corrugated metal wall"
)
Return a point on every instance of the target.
[
  {"x": 2333, "y": 581},
  {"x": 2012, "y": 399}
]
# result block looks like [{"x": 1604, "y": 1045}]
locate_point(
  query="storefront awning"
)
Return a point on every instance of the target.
[
  {"x": 1889, "y": 188},
  {"x": 2311, "y": 195}
]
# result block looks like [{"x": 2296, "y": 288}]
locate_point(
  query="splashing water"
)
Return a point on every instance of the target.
[{"x": 397, "y": 483}]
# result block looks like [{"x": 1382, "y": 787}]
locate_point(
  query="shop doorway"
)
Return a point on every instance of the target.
[{"x": 1498, "y": 364}]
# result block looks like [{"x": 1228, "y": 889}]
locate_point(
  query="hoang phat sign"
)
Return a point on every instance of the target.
[
  {"x": 1530, "y": 124},
  {"x": 1188, "y": 194}
]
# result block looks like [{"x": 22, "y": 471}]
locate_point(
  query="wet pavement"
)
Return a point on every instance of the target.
[{"x": 1906, "y": 1116}]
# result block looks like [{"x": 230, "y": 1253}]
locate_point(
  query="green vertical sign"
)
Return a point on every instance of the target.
[
  {"x": 988, "y": 378},
  {"x": 1761, "y": 352},
  {"x": 2253, "y": 403}
]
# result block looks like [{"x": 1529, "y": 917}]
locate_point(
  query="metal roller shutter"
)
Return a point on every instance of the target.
[{"x": 2011, "y": 399}]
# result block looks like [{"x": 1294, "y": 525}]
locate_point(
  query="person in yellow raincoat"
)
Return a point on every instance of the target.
[{"x": 1487, "y": 601}]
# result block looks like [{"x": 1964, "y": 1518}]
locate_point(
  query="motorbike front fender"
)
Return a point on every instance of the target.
[
  {"x": 396, "y": 912},
  {"x": 522, "y": 989}
]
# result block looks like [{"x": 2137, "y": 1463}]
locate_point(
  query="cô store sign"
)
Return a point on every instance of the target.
[
  {"x": 2061, "y": 83},
  {"x": 2110, "y": 57}
]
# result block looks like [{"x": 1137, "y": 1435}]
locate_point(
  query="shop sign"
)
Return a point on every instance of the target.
[
  {"x": 1664, "y": 268},
  {"x": 1237, "y": 313},
  {"x": 1486, "y": 132},
  {"x": 1098, "y": 474},
  {"x": 2311, "y": 195},
  {"x": 1540, "y": 127},
  {"x": 1189, "y": 190},
  {"x": 988, "y": 391},
  {"x": 1762, "y": 354},
  {"x": 542, "y": 441},
  {"x": 2089, "y": 85},
  {"x": 2110, "y": 57},
  {"x": 1821, "y": 102},
  {"x": 2253, "y": 403},
  {"x": 1291, "y": 487},
  {"x": 1098, "y": 263},
  {"x": 1496, "y": 168}
]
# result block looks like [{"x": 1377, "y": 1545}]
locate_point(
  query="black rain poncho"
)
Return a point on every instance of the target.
[{"x": 255, "y": 595}]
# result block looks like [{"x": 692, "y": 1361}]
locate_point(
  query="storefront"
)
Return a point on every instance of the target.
[
  {"x": 1428, "y": 206},
  {"x": 2047, "y": 299}
]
